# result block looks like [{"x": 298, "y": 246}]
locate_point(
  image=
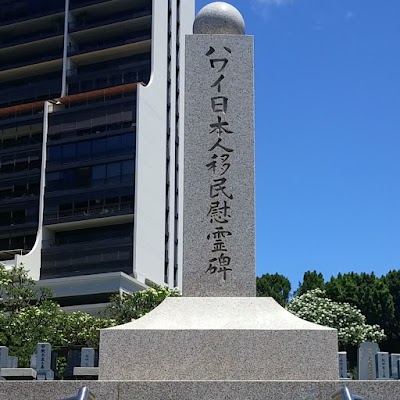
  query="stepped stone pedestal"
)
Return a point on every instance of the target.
[{"x": 218, "y": 338}]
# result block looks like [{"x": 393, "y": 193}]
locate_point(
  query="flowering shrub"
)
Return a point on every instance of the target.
[
  {"x": 351, "y": 325},
  {"x": 132, "y": 306},
  {"x": 22, "y": 330}
]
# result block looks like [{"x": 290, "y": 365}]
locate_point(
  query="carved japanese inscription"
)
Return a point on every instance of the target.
[{"x": 218, "y": 257}]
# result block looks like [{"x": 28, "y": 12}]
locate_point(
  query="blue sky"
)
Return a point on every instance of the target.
[{"x": 327, "y": 135}]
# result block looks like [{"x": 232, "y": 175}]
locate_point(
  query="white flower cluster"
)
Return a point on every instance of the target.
[{"x": 350, "y": 323}]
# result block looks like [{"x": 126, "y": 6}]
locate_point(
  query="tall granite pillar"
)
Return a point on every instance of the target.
[
  {"x": 218, "y": 330},
  {"x": 218, "y": 225}
]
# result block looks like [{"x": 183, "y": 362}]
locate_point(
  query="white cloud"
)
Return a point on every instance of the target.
[
  {"x": 264, "y": 6},
  {"x": 267, "y": 3}
]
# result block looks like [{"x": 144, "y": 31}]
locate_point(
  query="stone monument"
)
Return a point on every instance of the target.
[
  {"x": 218, "y": 330},
  {"x": 218, "y": 227}
]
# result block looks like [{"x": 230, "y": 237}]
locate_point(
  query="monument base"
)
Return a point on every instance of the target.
[
  {"x": 211, "y": 390},
  {"x": 206, "y": 390},
  {"x": 218, "y": 338}
]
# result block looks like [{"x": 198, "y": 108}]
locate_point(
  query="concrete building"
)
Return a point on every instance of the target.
[{"x": 91, "y": 105}]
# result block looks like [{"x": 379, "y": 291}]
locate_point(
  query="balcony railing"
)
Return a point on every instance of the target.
[
  {"x": 114, "y": 262},
  {"x": 88, "y": 102},
  {"x": 84, "y": 3},
  {"x": 7, "y": 225},
  {"x": 89, "y": 212},
  {"x": 9, "y": 254},
  {"x": 31, "y": 92},
  {"x": 18, "y": 244},
  {"x": 99, "y": 131},
  {"x": 108, "y": 78},
  {"x": 32, "y": 38},
  {"x": 33, "y": 113},
  {"x": 27, "y": 142},
  {"x": 126, "y": 180},
  {"x": 70, "y": 262},
  {"x": 71, "y": 244},
  {"x": 14, "y": 15},
  {"x": 12, "y": 197},
  {"x": 114, "y": 18},
  {"x": 108, "y": 69},
  {"x": 17, "y": 167},
  {"x": 105, "y": 44},
  {"x": 32, "y": 60}
]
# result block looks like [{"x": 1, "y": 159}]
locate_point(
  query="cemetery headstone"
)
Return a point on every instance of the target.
[
  {"x": 73, "y": 360},
  {"x": 394, "y": 366},
  {"x": 33, "y": 360},
  {"x": 398, "y": 368},
  {"x": 43, "y": 362},
  {"x": 9, "y": 367},
  {"x": 3, "y": 358},
  {"x": 382, "y": 365},
  {"x": 87, "y": 357},
  {"x": 12, "y": 362},
  {"x": 53, "y": 364},
  {"x": 366, "y": 360},
  {"x": 342, "y": 365},
  {"x": 87, "y": 363}
]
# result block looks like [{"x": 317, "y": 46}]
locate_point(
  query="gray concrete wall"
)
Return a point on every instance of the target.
[{"x": 207, "y": 390}]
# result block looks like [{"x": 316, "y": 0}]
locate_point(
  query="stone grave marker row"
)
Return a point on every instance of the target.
[
  {"x": 382, "y": 365},
  {"x": 12, "y": 362},
  {"x": 366, "y": 360},
  {"x": 43, "y": 362},
  {"x": 395, "y": 366},
  {"x": 87, "y": 357},
  {"x": 375, "y": 364},
  {"x": 343, "y": 365},
  {"x": 3, "y": 359}
]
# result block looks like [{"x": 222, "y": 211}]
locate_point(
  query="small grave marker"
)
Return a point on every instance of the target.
[
  {"x": 382, "y": 365},
  {"x": 12, "y": 362},
  {"x": 33, "y": 361},
  {"x": 3, "y": 359},
  {"x": 43, "y": 362},
  {"x": 366, "y": 360},
  {"x": 87, "y": 357},
  {"x": 342, "y": 365},
  {"x": 394, "y": 366},
  {"x": 3, "y": 356}
]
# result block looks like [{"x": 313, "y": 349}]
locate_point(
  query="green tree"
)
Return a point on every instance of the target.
[
  {"x": 311, "y": 280},
  {"x": 28, "y": 316},
  {"x": 392, "y": 280},
  {"x": 22, "y": 330},
  {"x": 315, "y": 306},
  {"x": 276, "y": 286},
  {"x": 128, "y": 307},
  {"x": 17, "y": 289},
  {"x": 81, "y": 329},
  {"x": 367, "y": 292}
]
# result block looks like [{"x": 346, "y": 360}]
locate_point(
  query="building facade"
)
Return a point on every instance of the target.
[{"x": 91, "y": 143}]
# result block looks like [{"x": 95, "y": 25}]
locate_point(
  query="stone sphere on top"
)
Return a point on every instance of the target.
[{"x": 219, "y": 18}]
